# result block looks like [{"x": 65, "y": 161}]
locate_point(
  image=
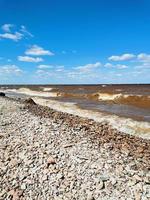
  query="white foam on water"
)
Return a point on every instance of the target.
[
  {"x": 126, "y": 125},
  {"x": 106, "y": 96},
  {"x": 30, "y": 92},
  {"x": 45, "y": 89}
]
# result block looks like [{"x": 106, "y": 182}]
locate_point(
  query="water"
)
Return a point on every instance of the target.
[{"x": 131, "y": 101}]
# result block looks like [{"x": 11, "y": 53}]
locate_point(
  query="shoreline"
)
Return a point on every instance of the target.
[
  {"x": 46, "y": 154},
  {"x": 123, "y": 123},
  {"x": 104, "y": 132}
]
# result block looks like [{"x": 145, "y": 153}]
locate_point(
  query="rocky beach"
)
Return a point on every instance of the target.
[{"x": 46, "y": 154}]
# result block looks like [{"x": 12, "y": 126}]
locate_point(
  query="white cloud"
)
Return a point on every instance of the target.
[
  {"x": 45, "y": 67},
  {"x": 118, "y": 66},
  {"x": 7, "y": 27},
  {"x": 55, "y": 68},
  {"x": 29, "y": 59},
  {"x": 146, "y": 64},
  {"x": 108, "y": 65},
  {"x": 43, "y": 74},
  {"x": 88, "y": 67},
  {"x": 137, "y": 73},
  {"x": 40, "y": 71},
  {"x": 122, "y": 57},
  {"x": 83, "y": 72},
  {"x": 15, "y": 36},
  {"x": 36, "y": 50},
  {"x": 118, "y": 74},
  {"x": 12, "y": 36},
  {"x": 10, "y": 70},
  {"x": 143, "y": 66},
  {"x": 73, "y": 74},
  {"x": 60, "y": 68},
  {"x": 143, "y": 57},
  {"x": 25, "y": 31}
]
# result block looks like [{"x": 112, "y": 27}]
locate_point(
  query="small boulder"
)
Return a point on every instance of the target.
[
  {"x": 2, "y": 94},
  {"x": 30, "y": 101}
]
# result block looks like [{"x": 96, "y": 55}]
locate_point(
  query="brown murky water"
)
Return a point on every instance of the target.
[{"x": 131, "y": 101}]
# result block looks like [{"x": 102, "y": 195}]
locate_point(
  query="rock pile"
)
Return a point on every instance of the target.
[
  {"x": 2, "y": 94},
  {"x": 29, "y": 101},
  {"x": 46, "y": 154}
]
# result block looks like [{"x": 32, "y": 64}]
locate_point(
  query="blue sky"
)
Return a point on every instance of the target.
[{"x": 74, "y": 41}]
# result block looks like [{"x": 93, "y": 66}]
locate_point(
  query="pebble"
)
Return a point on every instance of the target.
[
  {"x": 63, "y": 157},
  {"x": 104, "y": 178},
  {"x": 101, "y": 185},
  {"x": 51, "y": 161},
  {"x": 23, "y": 186}
]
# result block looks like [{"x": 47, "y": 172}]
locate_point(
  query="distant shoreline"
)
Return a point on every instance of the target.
[{"x": 38, "y": 84}]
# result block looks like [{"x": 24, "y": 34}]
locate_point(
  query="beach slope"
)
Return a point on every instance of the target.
[{"x": 46, "y": 154}]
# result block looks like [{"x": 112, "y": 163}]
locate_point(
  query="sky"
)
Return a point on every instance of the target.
[{"x": 74, "y": 41}]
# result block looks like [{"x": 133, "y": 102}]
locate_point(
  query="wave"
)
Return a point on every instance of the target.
[
  {"x": 30, "y": 92},
  {"x": 140, "y": 101},
  {"x": 126, "y": 125},
  {"x": 46, "y": 89}
]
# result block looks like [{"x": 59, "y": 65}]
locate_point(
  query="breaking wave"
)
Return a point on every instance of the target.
[
  {"x": 141, "y": 101},
  {"x": 119, "y": 108},
  {"x": 134, "y": 100},
  {"x": 29, "y": 92}
]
